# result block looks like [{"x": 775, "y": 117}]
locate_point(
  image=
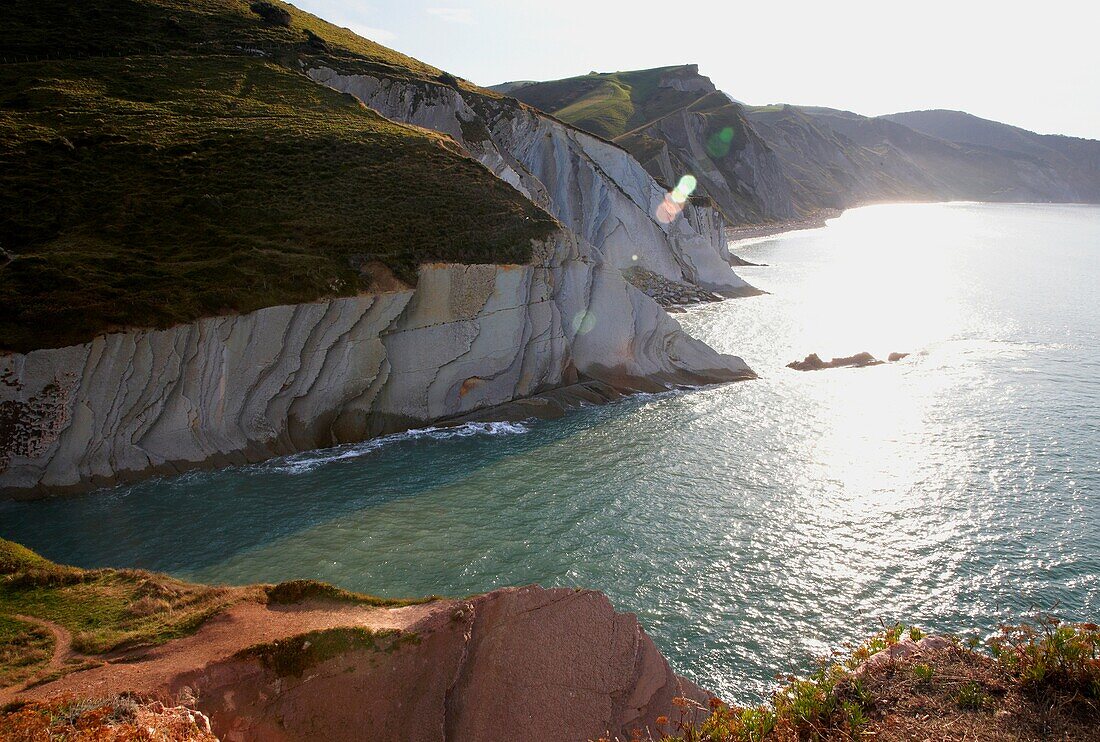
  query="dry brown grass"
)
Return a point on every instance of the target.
[
  {"x": 1040, "y": 682},
  {"x": 119, "y": 719}
]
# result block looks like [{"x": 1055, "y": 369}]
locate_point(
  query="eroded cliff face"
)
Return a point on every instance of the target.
[
  {"x": 521, "y": 663},
  {"x": 567, "y": 328},
  {"x": 594, "y": 188},
  {"x": 238, "y": 389},
  {"x": 712, "y": 140},
  {"x": 516, "y": 663}
]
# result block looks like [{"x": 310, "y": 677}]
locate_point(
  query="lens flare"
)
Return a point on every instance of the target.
[
  {"x": 718, "y": 145},
  {"x": 583, "y": 322},
  {"x": 684, "y": 189},
  {"x": 674, "y": 201}
]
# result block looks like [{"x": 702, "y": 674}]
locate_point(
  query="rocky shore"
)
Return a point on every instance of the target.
[
  {"x": 666, "y": 292},
  {"x": 818, "y": 219}
]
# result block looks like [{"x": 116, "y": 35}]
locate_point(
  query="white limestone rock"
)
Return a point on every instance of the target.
[{"x": 243, "y": 388}]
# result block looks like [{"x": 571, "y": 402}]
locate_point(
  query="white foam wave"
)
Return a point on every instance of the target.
[{"x": 301, "y": 463}]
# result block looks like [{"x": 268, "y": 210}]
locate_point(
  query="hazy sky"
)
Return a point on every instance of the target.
[{"x": 1034, "y": 64}]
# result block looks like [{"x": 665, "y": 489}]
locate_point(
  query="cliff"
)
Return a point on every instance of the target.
[
  {"x": 243, "y": 388},
  {"x": 597, "y": 190},
  {"x": 306, "y": 661},
  {"x": 253, "y": 264},
  {"x": 112, "y": 653},
  {"x": 782, "y": 162}
]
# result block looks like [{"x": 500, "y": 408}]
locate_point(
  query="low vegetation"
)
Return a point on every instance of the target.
[
  {"x": 1037, "y": 682},
  {"x": 25, "y": 649},
  {"x": 294, "y": 655},
  {"x": 298, "y": 591},
  {"x": 122, "y": 718},
  {"x": 105, "y": 609},
  {"x": 164, "y": 160}
]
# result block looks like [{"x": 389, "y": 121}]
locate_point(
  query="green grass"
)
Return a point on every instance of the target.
[
  {"x": 972, "y": 697},
  {"x": 106, "y": 609},
  {"x": 24, "y": 649},
  {"x": 923, "y": 672},
  {"x": 608, "y": 104},
  {"x": 293, "y": 656},
  {"x": 189, "y": 178},
  {"x": 298, "y": 591},
  {"x": 114, "y": 609},
  {"x": 18, "y": 558}
]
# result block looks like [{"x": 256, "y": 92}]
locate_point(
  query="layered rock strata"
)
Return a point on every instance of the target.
[
  {"x": 468, "y": 339},
  {"x": 236, "y": 389},
  {"x": 594, "y": 188}
]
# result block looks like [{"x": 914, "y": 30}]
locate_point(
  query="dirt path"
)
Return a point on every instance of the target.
[
  {"x": 151, "y": 671},
  {"x": 62, "y": 652}
]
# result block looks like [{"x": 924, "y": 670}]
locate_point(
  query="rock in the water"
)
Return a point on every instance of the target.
[{"x": 813, "y": 362}]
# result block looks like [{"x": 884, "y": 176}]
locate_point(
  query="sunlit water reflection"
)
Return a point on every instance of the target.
[{"x": 750, "y": 525}]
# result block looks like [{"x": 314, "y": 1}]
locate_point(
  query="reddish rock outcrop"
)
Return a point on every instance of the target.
[
  {"x": 517, "y": 663},
  {"x": 522, "y": 663}
]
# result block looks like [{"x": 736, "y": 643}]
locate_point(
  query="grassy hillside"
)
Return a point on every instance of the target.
[
  {"x": 170, "y": 161},
  {"x": 673, "y": 121},
  {"x": 609, "y": 104},
  {"x": 100, "y": 611}
]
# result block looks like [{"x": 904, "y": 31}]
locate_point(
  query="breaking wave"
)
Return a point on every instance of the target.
[{"x": 301, "y": 463}]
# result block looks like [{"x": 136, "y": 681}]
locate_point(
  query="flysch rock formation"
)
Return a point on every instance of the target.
[
  {"x": 595, "y": 188},
  {"x": 237, "y": 389},
  {"x": 516, "y": 663}
]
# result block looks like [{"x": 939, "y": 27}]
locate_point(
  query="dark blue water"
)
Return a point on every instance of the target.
[{"x": 749, "y": 526}]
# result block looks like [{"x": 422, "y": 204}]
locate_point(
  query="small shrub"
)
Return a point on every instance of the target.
[
  {"x": 971, "y": 696},
  {"x": 296, "y": 654},
  {"x": 1051, "y": 655},
  {"x": 148, "y": 606},
  {"x": 292, "y": 592},
  {"x": 271, "y": 13},
  {"x": 315, "y": 42},
  {"x": 856, "y": 716},
  {"x": 923, "y": 673}
]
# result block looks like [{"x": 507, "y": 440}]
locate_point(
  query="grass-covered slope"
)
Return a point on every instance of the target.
[
  {"x": 99, "y": 611},
  {"x": 674, "y": 122},
  {"x": 610, "y": 104},
  {"x": 169, "y": 160}
]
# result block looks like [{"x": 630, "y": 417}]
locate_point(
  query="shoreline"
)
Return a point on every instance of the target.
[{"x": 746, "y": 232}]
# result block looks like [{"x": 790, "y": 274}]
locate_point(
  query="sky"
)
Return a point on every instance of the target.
[{"x": 1034, "y": 65}]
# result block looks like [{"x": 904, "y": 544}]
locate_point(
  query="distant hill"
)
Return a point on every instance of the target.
[
  {"x": 762, "y": 163},
  {"x": 610, "y": 104},
  {"x": 674, "y": 121},
  {"x": 1076, "y": 160},
  {"x": 507, "y": 87}
]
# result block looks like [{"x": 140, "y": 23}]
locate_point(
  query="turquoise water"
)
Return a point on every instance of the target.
[{"x": 749, "y": 526}]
